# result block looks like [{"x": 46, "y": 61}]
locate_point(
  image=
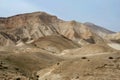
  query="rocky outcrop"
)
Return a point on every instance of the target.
[{"x": 6, "y": 39}]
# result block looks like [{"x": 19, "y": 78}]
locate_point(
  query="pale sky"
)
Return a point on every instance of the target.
[{"x": 105, "y": 13}]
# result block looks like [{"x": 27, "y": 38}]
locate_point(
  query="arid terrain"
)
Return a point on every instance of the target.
[{"x": 40, "y": 46}]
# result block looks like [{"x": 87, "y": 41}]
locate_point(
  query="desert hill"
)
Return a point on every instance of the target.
[
  {"x": 98, "y": 29},
  {"x": 32, "y": 26},
  {"x": 40, "y": 46}
]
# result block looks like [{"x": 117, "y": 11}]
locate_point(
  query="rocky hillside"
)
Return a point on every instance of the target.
[
  {"x": 40, "y": 46},
  {"x": 102, "y": 32},
  {"x": 32, "y": 26}
]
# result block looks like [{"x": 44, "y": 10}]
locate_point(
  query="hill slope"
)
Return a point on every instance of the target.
[{"x": 40, "y": 46}]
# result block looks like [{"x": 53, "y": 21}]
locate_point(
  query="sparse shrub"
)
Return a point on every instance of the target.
[
  {"x": 58, "y": 63},
  {"x": 84, "y": 57},
  {"x": 5, "y": 67},
  {"x": 88, "y": 60},
  {"x": 110, "y": 57},
  {"x": 18, "y": 79}
]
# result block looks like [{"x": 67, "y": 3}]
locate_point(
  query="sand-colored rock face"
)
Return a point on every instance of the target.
[
  {"x": 114, "y": 37},
  {"x": 32, "y": 26},
  {"x": 39, "y": 46}
]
